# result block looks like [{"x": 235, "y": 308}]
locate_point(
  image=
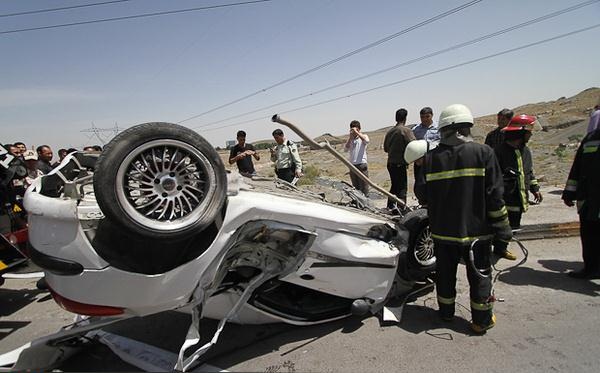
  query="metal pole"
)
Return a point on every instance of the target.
[{"x": 325, "y": 145}]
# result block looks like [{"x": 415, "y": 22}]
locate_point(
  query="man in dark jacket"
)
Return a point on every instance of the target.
[
  {"x": 45, "y": 155},
  {"x": 496, "y": 136},
  {"x": 516, "y": 164},
  {"x": 394, "y": 144},
  {"x": 583, "y": 186},
  {"x": 465, "y": 207}
]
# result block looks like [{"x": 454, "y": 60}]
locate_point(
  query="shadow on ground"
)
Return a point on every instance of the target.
[
  {"x": 236, "y": 344},
  {"x": 554, "y": 278},
  {"x": 270, "y": 338},
  {"x": 422, "y": 317},
  {"x": 9, "y": 327},
  {"x": 12, "y": 300}
]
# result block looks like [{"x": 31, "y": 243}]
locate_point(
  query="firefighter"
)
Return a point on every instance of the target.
[
  {"x": 583, "y": 186},
  {"x": 466, "y": 211},
  {"x": 516, "y": 164}
]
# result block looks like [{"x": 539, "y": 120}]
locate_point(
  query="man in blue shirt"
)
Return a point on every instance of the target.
[{"x": 426, "y": 130}]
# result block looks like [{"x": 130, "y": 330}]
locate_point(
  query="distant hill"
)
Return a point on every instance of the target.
[
  {"x": 553, "y": 115},
  {"x": 560, "y": 113}
]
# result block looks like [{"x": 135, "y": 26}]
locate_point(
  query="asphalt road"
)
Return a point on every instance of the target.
[{"x": 546, "y": 322}]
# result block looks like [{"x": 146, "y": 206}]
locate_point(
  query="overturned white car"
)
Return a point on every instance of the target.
[{"x": 155, "y": 223}]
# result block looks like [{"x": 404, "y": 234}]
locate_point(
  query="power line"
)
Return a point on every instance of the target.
[
  {"x": 133, "y": 16},
  {"x": 416, "y": 76},
  {"x": 95, "y": 131},
  {"x": 62, "y": 8},
  {"x": 417, "y": 59},
  {"x": 335, "y": 60}
]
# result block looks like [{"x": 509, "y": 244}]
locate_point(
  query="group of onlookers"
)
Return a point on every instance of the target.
[
  {"x": 36, "y": 162},
  {"x": 39, "y": 161},
  {"x": 285, "y": 155},
  {"x": 475, "y": 193}
]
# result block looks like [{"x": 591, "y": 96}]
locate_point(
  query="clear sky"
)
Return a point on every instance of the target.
[{"x": 55, "y": 83}]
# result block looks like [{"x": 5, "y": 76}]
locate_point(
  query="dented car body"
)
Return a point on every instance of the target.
[{"x": 155, "y": 223}]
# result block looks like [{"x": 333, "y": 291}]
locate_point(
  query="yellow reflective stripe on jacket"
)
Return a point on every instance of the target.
[
  {"x": 461, "y": 239},
  {"x": 522, "y": 191},
  {"x": 443, "y": 300},
  {"x": 590, "y": 148},
  {"x": 534, "y": 182},
  {"x": 497, "y": 213},
  {"x": 513, "y": 208},
  {"x": 501, "y": 224},
  {"x": 481, "y": 306},
  {"x": 463, "y": 172}
]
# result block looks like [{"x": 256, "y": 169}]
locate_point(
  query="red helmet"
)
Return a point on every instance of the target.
[{"x": 521, "y": 122}]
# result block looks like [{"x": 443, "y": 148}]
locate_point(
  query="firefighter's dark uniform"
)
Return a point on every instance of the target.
[
  {"x": 517, "y": 169},
  {"x": 583, "y": 186},
  {"x": 464, "y": 197}
]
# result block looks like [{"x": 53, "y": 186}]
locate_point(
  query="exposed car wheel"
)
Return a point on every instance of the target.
[
  {"x": 422, "y": 247},
  {"x": 160, "y": 180},
  {"x": 420, "y": 253}
]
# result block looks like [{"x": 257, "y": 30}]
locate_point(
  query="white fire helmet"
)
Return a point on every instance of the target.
[
  {"x": 416, "y": 149},
  {"x": 455, "y": 114}
]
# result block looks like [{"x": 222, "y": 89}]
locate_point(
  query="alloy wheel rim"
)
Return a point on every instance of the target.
[{"x": 165, "y": 185}]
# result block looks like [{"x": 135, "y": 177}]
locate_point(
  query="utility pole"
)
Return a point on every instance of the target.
[{"x": 99, "y": 133}]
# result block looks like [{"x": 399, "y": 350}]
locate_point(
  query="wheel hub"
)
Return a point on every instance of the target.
[{"x": 168, "y": 184}]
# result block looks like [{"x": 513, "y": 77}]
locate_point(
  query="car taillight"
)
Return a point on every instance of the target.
[{"x": 85, "y": 309}]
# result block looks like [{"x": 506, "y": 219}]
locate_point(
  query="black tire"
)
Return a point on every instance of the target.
[
  {"x": 160, "y": 180},
  {"x": 420, "y": 252},
  {"x": 41, "y": 284}
]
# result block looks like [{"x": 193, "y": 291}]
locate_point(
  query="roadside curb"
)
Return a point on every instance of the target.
[{"x": 548, "y": 230}]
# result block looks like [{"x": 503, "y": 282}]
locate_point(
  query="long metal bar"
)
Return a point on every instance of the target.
[{"x": 326, "y": 146}]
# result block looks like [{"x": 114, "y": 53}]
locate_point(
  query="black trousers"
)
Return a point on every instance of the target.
[
  {"x": 418, "y": 169},
  {"x": 480, "y": 288},
  {"x": 590, "y": 244},
  {"x": 514, "y": 219},
  {"x": 399, "y": 183},
  {"x": 286, "y": 174},
  {"x": 357, "y": 182}
]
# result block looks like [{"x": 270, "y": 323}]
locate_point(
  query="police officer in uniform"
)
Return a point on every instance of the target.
[
  {"x": 466, "y": 211},
  {"x": 288, "y": 164}
]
